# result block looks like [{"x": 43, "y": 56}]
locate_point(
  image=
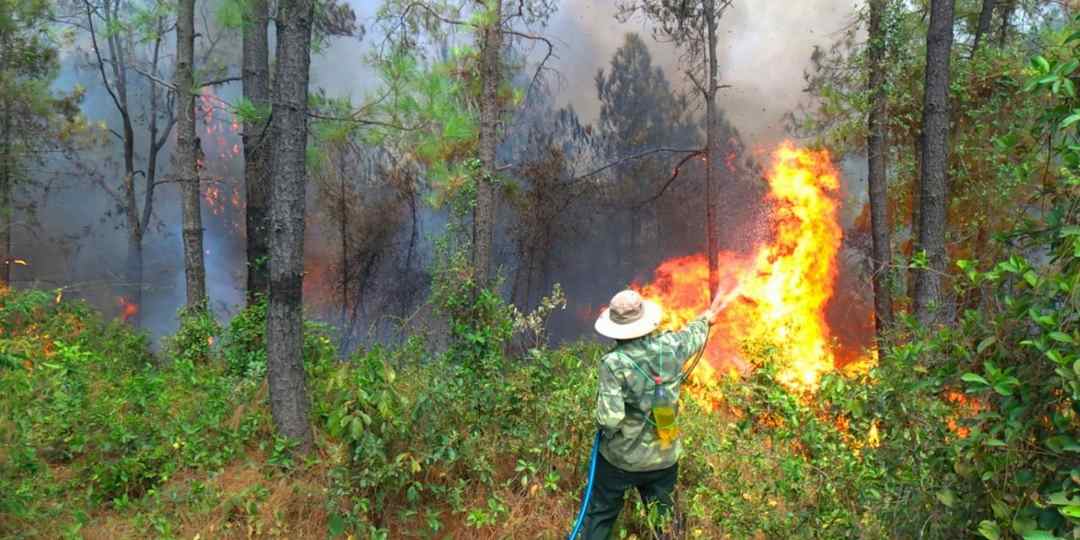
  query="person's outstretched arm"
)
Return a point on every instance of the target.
[{"x": 688, "y": 341}]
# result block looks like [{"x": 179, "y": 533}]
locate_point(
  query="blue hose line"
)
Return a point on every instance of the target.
[{"x": 588, "y": 489}]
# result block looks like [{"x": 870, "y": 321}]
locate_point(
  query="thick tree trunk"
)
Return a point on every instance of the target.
[
  {"x": 256, "y": 82},
  {"x": 986, "y": 16},
  {"x": 933, "y": 198},
  {"x": 185, "y": 162},
  {"x": 343, "y": 231},
  {"x": 876, "y": 153},
  {"x": 6, "y": 201},
  {"x": 284, "y": 325},
  {"x": 484, "y": 213},
  {"x": 712, "y": 212}
]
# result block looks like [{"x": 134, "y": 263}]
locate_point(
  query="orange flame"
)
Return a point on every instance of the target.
[
  {"x": 783, "y": 286},
  {"x": 220, "y": 146},
  {"x": 128, "y": 309}
]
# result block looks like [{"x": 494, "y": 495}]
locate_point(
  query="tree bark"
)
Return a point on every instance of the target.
[
  {"x": 876, "y": 154},
  {"x": 712, "y": 212},
  {"x": 284, "y": 325},
  {"x": 186, "y": 161},
  {"x": 1006, "y": 19},
  {"x": 916, "y": 182},
  {"x": 484, "y": 212},
  {"x": 134, "y": 275},
  {"x": 986, "y": 16},
  {"x": 6, "y": 202},
  {"x": 933, "y": 196},
  {"x": 256, "y": 83}
]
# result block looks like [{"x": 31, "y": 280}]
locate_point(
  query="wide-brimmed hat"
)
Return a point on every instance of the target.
[{"x": 629, "y": 316}]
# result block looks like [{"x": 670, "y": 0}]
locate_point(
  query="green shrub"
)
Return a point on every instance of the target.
[
  {"x": 94, "y": 406},
  {"x": 244, "y": 346},
  {"x": 193, "y": 342},
  {"x": 243, "y": 349}
]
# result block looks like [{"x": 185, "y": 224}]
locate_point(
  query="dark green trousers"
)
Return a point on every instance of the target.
[{"x": 609, "y": 490}]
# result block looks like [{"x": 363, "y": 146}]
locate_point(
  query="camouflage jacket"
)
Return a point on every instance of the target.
[{"x": 624, "y": 403}]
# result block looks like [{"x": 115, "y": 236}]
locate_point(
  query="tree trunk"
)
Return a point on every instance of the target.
[
  {"x": 343, "y": 230},
  {"x": 712, "y": 212},
  {"x": 986, "y": 15},
  {"x": 6, "y": 202},
  {"x": 933, "y": 199},
  {"x": 1006, "y": 19},
  {"x": 916, "y": 146},
  {"x": 484, "y": 213},
  {"x": 186, "y": 162},
  {"x": 256, "y": 82},
  {"x": 284, "y": 322},
  {"x": 876, "y": 149},
  {"x": 633, "y": 259},
  {"x": 134, "y": 275}
]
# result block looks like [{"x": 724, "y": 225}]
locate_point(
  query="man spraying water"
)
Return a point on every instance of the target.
[{"x": 637, "y": 407}]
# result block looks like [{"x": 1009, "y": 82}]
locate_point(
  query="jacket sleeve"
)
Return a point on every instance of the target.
[
  {"x": 688, "y": 341},
  {"x": 610, "y": 406}
]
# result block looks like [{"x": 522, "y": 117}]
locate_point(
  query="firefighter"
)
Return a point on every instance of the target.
[{"x": 644, "y": 365}]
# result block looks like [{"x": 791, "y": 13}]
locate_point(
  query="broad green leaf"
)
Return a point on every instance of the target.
[
  {"x": 985, "y": 343},
  {"x": 1039, "y": 535},
  {"x": 973, "y": 378},
  {"x": 946, "y": 497},
  {"x": 1062, "y": 337},
  {"x": 1070, "y": 120},
  {"x": 1030, "y": 276},
  {"x": 1040, "y": 64},
  {"x": 1062, "y": 498},
  {"x": 1001, "y": 510},
  {"x": 989, "y": 530},
  {"x": 1006, "y": 385},
  {"x": 335, "y": 525},
  {"x": 1071, "y": 511},
  {"x": 1023, "y": 525}
]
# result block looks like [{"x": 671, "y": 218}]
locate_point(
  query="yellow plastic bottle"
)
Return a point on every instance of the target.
[{"x": 663, "y": 411}]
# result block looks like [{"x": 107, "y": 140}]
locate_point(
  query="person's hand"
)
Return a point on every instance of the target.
[{"x": 725, "y": 293}]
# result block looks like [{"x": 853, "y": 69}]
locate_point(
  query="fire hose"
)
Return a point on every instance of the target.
[{"x": 690, "y": 365}]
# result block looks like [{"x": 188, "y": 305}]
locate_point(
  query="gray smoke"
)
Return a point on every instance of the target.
[{"x": 766, "y": 45}]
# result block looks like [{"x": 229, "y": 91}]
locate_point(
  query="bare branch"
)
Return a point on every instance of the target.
[
  {"x": 674, "y": 175},
  {"x": 697, "y": 84},
  {"x": 100, "y": 62},
  {"x": 155, "y": 79},
  {"x": 223, "y": 80},
  {"x": 550, "y": 53},
  {"x": 433, "y": 13},
  {"x": 356, "y": 120},
  {"x": 105, "y": 187},
  {"x": 692, "y": 152}
]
